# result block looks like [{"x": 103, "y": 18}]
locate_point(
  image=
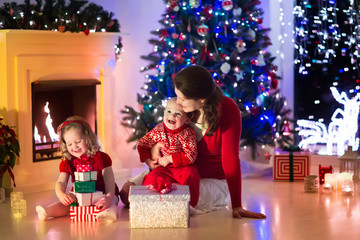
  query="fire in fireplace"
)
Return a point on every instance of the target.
[{"x": 52, "y": 102}]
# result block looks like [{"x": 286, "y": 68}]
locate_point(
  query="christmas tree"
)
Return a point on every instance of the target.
[{"x": 225, "y": 37}]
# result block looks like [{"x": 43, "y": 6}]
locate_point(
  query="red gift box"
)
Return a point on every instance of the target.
[
  {"x": 84, "y": 213},
  {"x": 84, "y": 168},
  {"x": 301, "y": 166}
]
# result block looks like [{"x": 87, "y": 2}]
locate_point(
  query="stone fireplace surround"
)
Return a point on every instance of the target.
[{"x": 27, "y": 56}]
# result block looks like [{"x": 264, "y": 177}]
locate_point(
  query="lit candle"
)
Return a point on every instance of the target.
[
  {"x": 331, "y": 179},
  {"x": 347, "y": 187},
  {"x": 327, "y": 187},
  {"x": 341, "y": 177}
]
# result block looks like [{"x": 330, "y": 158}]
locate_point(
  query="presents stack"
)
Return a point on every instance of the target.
[
  {"x": 84, "y": 190},
  {"x": 291, "y": 164},
  {"x": 151, "y": 209}
]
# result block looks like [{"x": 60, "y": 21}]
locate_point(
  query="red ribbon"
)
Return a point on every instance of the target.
[
  {"x": 8, "y": 168},
  {"x": 83, "y": 160},
  {"x": 163, "y": 35}
]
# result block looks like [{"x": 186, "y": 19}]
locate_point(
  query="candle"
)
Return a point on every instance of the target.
[
  {"x": 327, "y": 188},
  {"x": 331, "y": 179},
  {"x": 341, "y": 177},
  {"x": 347, "y": 187}
]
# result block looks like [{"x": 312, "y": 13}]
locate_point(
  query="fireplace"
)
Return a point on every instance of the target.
[
  {"x": 52, "y": 103},
  {"x": 74, "y": 73}
]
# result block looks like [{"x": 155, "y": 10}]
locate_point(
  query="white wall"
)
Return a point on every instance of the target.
[
  {"x": 283, "y": 51},
  {"x": 137, "y": 19}
]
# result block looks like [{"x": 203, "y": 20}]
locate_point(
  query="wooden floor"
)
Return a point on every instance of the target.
[{"x": 291, "y": 214}]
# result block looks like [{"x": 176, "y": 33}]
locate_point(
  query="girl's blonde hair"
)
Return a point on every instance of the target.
[{"x": 78, "y": 123}]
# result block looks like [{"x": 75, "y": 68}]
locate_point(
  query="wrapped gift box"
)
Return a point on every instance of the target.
[
  {"x": 301, "y": 166},
  {"x": 84, "y": 213},
  {"x": 84, "y": 187},
  {"x": 86, "y": 199},
  {"x": 150, "y": 209},
  {"x": 86, "y": 176},
  {"x": 84, "y": 168}
]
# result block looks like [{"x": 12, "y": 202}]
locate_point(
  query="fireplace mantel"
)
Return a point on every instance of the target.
[{"x": 32, "y": 55}]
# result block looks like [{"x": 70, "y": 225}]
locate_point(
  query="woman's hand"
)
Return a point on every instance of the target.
[
  {"x": 240, "y": 212},
  {"x": 104, "y": 203},
  {"x": 152, "y": 163}
]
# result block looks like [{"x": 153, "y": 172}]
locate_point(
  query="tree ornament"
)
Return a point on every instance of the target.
[
  {"x": 208, "y": 11},
  {"x": 225, "y": 67},
  {"x": 86, "y": 32},
  {"x": 227, "y": 5},
  {"x": 174, "y": 35},
  {"x": 240, "y": 46},
  {"x": 239, "y": 74},
  {"x": 189, "y": 27},
  {"x": 61, "y": 28},
  {"x": 194, "y": 3},
  {"x": 250, "y": 34},
  {"x": 260, "y": 99},
  {"x": 173, "y": 4},
  {"x": 178, "y": 56},
  {"x": 162, "y": 69},
  {"x": 11, "y": 11},
  {"x": 260, "y": 61},
  {"x": 192, "y": 60},
  {"x": 163, "y": 35},
  {"x": 237, "y": 12},
  {"x": 274, "y": 83},
  {"x": 203, "y": 30},
  {"x": 286, "y": 129}
]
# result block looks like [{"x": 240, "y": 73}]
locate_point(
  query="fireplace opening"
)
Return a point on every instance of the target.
[{"x": 52, "y": 102}]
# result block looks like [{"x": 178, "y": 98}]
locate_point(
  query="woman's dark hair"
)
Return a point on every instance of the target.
[{"x": 196, "y": 82}]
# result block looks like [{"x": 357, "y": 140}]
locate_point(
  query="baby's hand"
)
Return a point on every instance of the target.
[
  {"x": 104, "y": 203},
  {"x": 152, "y": 163},
  {"x": 166, "y": 160},
  {"x": 155, "y": 151}
]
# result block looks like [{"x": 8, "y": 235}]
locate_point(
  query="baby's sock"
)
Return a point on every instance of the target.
[
  {"x": 42, "y": 215},
  {"x": 108, "y": 215}
]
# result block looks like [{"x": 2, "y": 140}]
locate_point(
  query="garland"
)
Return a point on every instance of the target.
[{"x": 56, "y": 15}]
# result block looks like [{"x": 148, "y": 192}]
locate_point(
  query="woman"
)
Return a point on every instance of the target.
[{"x": 217, "y": 123}]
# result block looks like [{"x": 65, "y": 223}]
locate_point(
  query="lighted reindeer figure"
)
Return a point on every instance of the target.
[{"x": 342, "y": 128}]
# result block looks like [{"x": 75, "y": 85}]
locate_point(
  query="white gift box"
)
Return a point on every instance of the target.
[
  {"x": 87, "y": 199},
  {"x": 85, "y": 176},
  {"x": 150, "y": 209}
]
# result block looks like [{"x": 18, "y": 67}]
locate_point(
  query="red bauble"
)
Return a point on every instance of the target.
[
  {"x": 274, "y": 83},
  {"x": 203, "y": 30},
  {"x": 86, "y": 32}
]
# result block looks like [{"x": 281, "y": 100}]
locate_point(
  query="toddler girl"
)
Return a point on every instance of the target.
[{"x": 79, "y": 145}]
